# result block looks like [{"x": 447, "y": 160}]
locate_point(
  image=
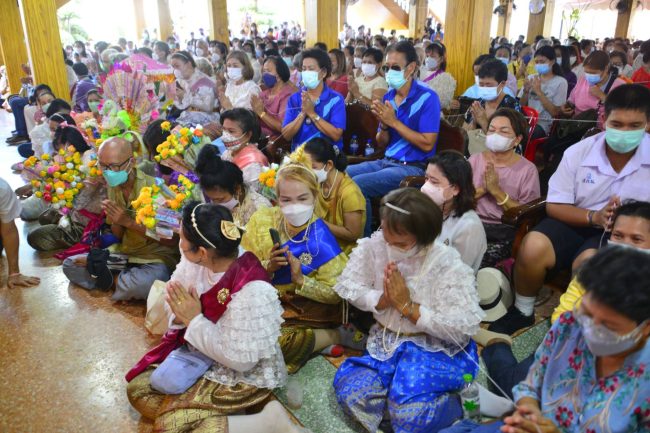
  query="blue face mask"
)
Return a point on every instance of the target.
[
  {"x": 504, "y": 60},
  {"x": 593, "y": 79},
  {"x": 527, "y": 58},
  {"x": 115, "y": 178},
  {"x": 488, "y": 93},
  {"x": 288, "y": 61},
  {"x": 310, "y": 79},
  {"x": 269, "y": 80},
  {"x": 542, "y": 68},
  {"x": 623, "y": 141},
  {"x": 395, "y": 79}
]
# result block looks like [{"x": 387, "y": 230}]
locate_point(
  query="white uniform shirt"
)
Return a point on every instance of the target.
[{"x": 9, "y": 205}]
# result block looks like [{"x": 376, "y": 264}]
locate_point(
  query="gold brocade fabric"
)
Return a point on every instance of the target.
[
  {"x": 201, "y": 409},
  {"x": 140, "y": 248},
  {"x": 345, "y": 198},
  {"x": 315, "y": 305}
]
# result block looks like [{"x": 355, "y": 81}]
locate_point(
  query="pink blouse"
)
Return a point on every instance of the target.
[{"x": 275, "y": 106}]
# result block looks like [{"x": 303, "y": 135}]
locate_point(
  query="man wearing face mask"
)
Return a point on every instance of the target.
[
  {"x": 595, "y": 176},
  {"x": 316, "y": 111},
  {"x": 148, "y": 259},
  {"x": 409, "y": 119}
]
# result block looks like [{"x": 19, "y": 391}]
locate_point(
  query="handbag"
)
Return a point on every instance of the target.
[{"x": 156, "y": 320}]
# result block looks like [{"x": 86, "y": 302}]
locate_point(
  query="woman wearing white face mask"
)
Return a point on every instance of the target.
[
  {"x": 433, "y": 73},
  {"x": 241, "y": 132},
  {"x": 370, "y": 85},
  {"x": 503, "y": 180},
  {"x": 449, "y": 185},
  {"x": 195, "y": 91},
  {"x": 240, "y": 86},
  {"x": 222, "y": 182},
  {"x": 424, "y": 300},
  {"x": 340, "y": 198},
  {"x": 303, "y": 267}
]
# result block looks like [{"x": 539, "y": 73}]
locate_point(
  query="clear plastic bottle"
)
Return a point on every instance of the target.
[
  {"x": 354, "y": 145},
  {"x": 369, "y": 149},
  {"x": 470, "y": 400}
]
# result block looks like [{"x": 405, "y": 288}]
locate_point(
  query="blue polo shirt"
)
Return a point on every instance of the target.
[
  {"x": 330, "y": 107},
  {"x": 420, "y": 111}
]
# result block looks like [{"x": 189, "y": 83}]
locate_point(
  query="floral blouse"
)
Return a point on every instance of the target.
[{"x": 563, "y": 378}]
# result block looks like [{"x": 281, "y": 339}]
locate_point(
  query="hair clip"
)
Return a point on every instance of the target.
[
  {"x": 397, "y": 208},
  {"x": 230, "y": 230}
]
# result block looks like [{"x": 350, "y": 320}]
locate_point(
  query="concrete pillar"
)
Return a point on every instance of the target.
[
  {"x": 218, "y": 11},
  {"x": 12, "y": 40},
  {"x": 44, "y": 45},
  {"x": 165, "y": 28},
  {"x": 343, "y": 12},
  {"x": 418, "y": 12},
  {"x": 140, "y": 23},
  {"x": 541, "y": 23},
  {"x": 322, "y": 22},
  {"x": 624, "y": 19},
  {"x": 467, "y": 35}
]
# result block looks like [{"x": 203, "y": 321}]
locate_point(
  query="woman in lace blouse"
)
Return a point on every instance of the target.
[
  {"x": 240, "y": 86},
  {"x": 433, "y": 73},
  {"x": 222, "y": 182},
  {"x": 424, "y": 300},
  {"x": 195, "y": 91},
  {"x": 220, "y": 354}
]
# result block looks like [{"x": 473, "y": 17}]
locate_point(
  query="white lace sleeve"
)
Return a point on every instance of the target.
[
  {"x": 357, "y": 281},
  {"x": 203, "y": 99},
  {"x": 187, "y": 97},
  {"x": 248, "y": 331},
  {"x": 449, "y": 308},
  {"x": 445, "y": 86},
  {"x": 252, "y": 175}
]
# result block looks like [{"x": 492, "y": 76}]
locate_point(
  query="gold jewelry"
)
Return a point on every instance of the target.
[
  {"x": 222, "y": 295},
  {"x": 331, "y": 187},
  {"x": 505, "y": 200},
  {"x": 230, "y": 230}
]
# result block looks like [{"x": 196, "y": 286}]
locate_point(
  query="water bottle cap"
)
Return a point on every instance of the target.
[{"x": 468, "y": 378}]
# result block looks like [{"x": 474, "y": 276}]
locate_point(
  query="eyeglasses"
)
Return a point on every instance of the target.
[
  {"x": 387, "y": 68},
  {"x": 113, "y": 167}
]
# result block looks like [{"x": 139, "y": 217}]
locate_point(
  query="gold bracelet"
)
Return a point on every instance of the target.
[
  {"x": 505, "y": 200},
  {"x": 263, "y": 114},
  {"x": 401, "y": 311}
]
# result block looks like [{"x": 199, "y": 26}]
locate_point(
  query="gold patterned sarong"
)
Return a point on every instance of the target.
[
  {"x": 301, "y": 316},
  {"x": 201, "y": 409}
]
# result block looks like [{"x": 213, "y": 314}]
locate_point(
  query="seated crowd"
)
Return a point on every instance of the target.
[{"x": 250, "y": 268}]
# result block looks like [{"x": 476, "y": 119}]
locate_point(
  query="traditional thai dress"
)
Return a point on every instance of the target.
[
  {"x": 198, "y": 101},
  {"x": 239, "y": 329},
  {"x": 315, "y": 305},
  {"x": 250, "y": 161},
  {"x": 346, "y": 197},
  {"x": 410, "y": 371}
]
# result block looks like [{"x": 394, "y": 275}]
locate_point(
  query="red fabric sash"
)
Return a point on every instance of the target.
[
  {"x": 249, "y": 155},
  {"x": 214, "y": 304}
]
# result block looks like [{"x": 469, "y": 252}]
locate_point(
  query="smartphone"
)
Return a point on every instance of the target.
[{"x": 275, "y": 237}]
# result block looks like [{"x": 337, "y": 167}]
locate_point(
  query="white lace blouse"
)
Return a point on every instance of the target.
[
  {"x": 240, "y": 94},
  {"x": 202, "y": 98},
  {"x": 443, "y": 84},
  {"x": 244, "y": 342},
  {"x": 443, "y": 286}
]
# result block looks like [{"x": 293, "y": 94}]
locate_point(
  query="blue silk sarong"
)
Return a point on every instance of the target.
[
  {"x": 415, "y": 386},
  {"x": 319, "y": 248}
]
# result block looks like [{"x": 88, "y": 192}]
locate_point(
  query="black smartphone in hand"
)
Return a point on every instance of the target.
[{"x": 275, "y": 237}]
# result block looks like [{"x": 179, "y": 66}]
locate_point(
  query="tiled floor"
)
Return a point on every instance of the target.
[{"x": 64, "y": 351}]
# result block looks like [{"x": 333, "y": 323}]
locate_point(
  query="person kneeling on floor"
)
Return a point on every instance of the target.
[{"x": 148, "y": 259}]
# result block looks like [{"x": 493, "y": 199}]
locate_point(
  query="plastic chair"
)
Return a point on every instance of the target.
[{"x": 531, "y": 145}]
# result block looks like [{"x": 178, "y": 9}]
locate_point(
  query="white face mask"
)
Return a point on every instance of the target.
[
  {"x": 321, "y": 175},
  {"x": 368, "y": 70},
  {"x": 397, "y": 254},
  {"x": 178, "y": 74},
  {"x": 558, "y": 60},
  {"x": 435, "y": 193},
  {"x": 573, "y": 59},
  {"x": 230, "y": 204},
  {"x": 200, "y": 52},
  {"x": 498, "y": 143},
  {"x": 78, "y": 51},
  {"x": 216, "y": 58},
  {"x": 357, "y": 62},
  {"x": 297, "y": 214},
  {"x": 234, "y": 74},
  {"x": 431, "y": 63}
]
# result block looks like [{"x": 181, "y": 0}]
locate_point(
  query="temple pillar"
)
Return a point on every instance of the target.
[
  {"x": 322, "y": 22},
  {"x": 624, "y": 19},
  {"x": 165, "y": 27},
  {"x": 541, "y": 23},
  {"x": 503, "y": 27},
  {"x": 12, "y": 40},
  {"x": 218, "y": 11}
]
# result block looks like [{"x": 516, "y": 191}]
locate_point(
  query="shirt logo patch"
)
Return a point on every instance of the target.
[{"x": 589, "y": 179}]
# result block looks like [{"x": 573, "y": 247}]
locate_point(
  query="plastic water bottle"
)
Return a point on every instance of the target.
[
  {"x": 369, "y": 149},
  {"x": 470, "y": 400},
  {"x": 354, "y": 145}
]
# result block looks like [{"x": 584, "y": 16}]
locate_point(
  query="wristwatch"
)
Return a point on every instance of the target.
[{"x": 317, "y": 118}]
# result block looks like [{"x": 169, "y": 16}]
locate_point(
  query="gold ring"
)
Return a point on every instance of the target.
[{"x": 179, "y": 302}]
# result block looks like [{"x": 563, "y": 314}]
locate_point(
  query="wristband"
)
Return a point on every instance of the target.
[
  {"x": 590, "y": 217},
  {"x": 382, "y": 127},
  {"x": 505, "y": 200}
]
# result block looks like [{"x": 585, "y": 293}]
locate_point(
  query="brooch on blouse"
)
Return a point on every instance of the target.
[
  {"x": 306, "y": 259},
  {"x": 222, "y": 295}
]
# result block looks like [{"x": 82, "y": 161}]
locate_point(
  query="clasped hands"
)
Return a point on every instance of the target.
[
  {"x": 396, "y": 293},
  {"x": 185, "y": 304},
  {"x": 528, "y": 419},
  {"x": 384, "y": 112}
]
